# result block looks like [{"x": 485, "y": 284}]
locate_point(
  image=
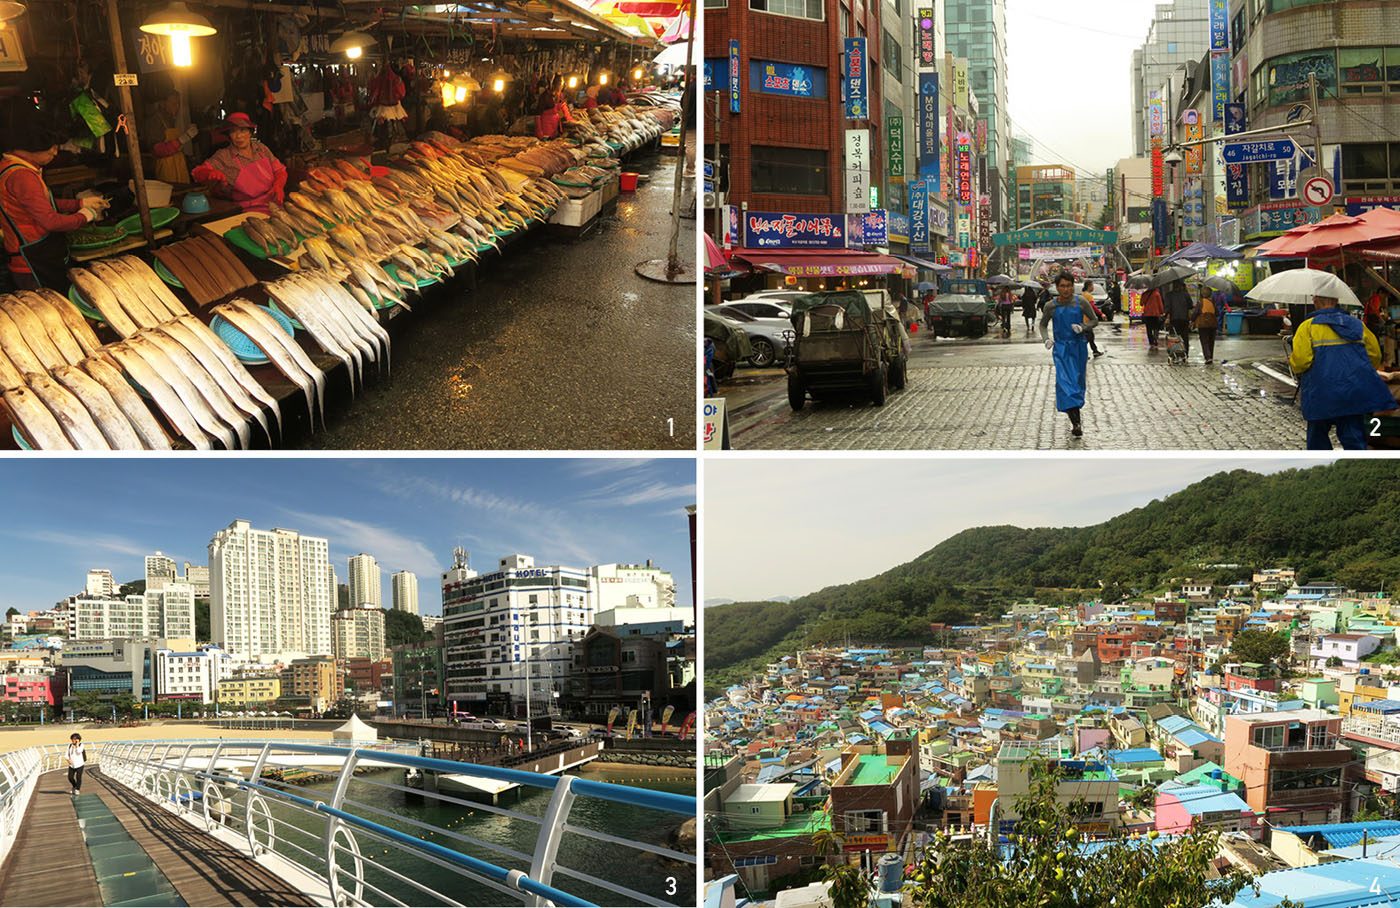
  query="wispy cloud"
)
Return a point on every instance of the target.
[
  {"x": 602, "y": 465},
  {"x": 627, "y": 493},
  {"x": 98, "y": 542},
  {"x": 393, "y": 550}
]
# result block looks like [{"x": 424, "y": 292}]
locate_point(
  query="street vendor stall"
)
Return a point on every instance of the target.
[{"x": 338, "y": 174}]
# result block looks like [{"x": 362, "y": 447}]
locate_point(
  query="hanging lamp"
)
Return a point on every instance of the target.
[
  {"x": 353, "y": 44},
  {"x": 178, "y": 22}
]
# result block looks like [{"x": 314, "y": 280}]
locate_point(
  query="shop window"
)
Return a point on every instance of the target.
[
  {"x": 789, "y": 171},
  {"x": 864, "y": 821},
  {"x": 894, "y": 62},
  {"x": 1280, "y": 5},
  {"x": 1288, "y": 76},
  {"x": 1392, "y": 68},
  {"x": 1365, "y": 166},
  {"x": 1361, "y": 70},
  {"x": 798, "y": 9},
  {"x": 716, "y": 4}
]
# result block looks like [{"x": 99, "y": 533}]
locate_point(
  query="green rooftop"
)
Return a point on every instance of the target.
[
  {"x": 873, "y": 769},
  {"x": 798, "y": 824}
]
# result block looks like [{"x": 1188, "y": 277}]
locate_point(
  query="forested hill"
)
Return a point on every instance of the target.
[{"x": 1339, "y": 522}]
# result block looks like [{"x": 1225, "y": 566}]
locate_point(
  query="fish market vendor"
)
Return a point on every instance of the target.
[
  {"x": 245, "y": 168},
  {"x": 34, "y": 221}
]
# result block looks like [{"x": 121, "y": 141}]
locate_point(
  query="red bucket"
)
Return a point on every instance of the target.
[{"x": 629, "y": 181}]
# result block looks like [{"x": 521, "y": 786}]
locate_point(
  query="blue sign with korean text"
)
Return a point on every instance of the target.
[
  {"x": 1159, "y": 222},
  {"x": 734, "y": 82},
  {"x": 786, "y": 79},
  {"x": 1256, "y": 152},
  {"x": 1219, "y": 25},
  {"x": 1219, "y": 82},
  {"x": 853, "y": 73},
  {"x": 918, "y": 217},
  {"x": 875, "y": 228},
  {"x": 930, "y": 150},
  {"x": 1283, "y": 180},
  {"x": 769, "y": 230},
  {"x": 897, "y": 230},
  {"x": 1236, "y": 186},
  {"x": 1236, "y": 116}
]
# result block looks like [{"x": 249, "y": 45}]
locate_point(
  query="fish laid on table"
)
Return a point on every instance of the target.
[
  {"x": 72, "y": 416},
  {"x": 36, "y": 423},
  {"x": 320, "y": 210},
  {"x": 10, "y": 377},
  {"x": 160, "y": 298},
  {"x": 297, "y": 303},
  {"x": 131, "y": 299},
  {"x": 206, "y": 346},
  {"x": 196, "y": 392},
  {"x": 226, "y": 398},
  {"x": 108, "y": 374},
  {"x": 54, "y": 327},
  {"x": 77, "y": 325},
  {"x": 104, "y": 300},
  {"x": 345, "y": 315},
  {"x": 366, "y": 323},
  {"x": 98, "y": 401},
  {"x": 31, "y": 334},
  {"x": 282, "y": 351},
  {"x": 170, "y": 402}
]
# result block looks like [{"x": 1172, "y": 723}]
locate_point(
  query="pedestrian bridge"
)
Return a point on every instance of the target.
[{"x": 252, "y": 823}]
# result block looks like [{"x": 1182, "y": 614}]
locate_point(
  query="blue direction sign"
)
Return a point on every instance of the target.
[{"x": 1255, "y": 152}]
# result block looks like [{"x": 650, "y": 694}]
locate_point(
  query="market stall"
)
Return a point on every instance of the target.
[{"x": 324, "y": 179}]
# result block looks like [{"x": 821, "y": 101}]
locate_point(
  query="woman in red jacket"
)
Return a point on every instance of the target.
[
  {"x": 33, "y": 221},
  {"x": 245, "y": 168}
]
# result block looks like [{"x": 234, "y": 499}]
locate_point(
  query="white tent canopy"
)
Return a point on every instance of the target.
[{"x": 355, "y": 730}]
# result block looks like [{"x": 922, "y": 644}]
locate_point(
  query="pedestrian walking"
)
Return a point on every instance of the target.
[
  {"x": 1006, "y": 304},
  {"x": 1177, "y": 301},
  {"x": 77, "y": 759},
  {"x": 1072, "y": 316},
  {"x": 1209, "y": 318},
  {"x": 1028, "y": 301},
  {"x": 1115, "y": 301},
  {"x": 1089, "y": 295},
  {"x": 1335, "y": 358},
  {"x": 1153, "y": 310}
]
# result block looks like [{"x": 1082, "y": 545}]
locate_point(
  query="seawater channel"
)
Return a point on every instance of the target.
[{"x": 660, "y": 878}]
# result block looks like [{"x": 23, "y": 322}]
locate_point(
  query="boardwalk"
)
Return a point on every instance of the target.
[{"x": 125, "y": 852}]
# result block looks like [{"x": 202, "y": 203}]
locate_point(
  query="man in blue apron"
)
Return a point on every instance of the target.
[
  {"x": 1072, "y": 316},
  {"x": 33, "y": 221}
]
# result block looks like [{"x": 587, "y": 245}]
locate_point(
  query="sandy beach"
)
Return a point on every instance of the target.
[{"x": 17, "y": 738}]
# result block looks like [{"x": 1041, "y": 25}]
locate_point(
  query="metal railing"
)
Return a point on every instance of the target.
[{"x": 367, "y": 842}]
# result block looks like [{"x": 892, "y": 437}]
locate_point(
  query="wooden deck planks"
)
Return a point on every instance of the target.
[{"x": 49, "y": 863}]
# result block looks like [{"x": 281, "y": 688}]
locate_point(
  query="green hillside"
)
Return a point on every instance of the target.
[{"x": 1339, "y": 522}]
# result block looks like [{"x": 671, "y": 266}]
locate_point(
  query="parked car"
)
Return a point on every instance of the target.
[{"x": 769, "y": 334}]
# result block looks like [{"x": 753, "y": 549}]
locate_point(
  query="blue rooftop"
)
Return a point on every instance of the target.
[
  {"x": 1133, "y": 755},
  {"x": 1344, "y": 884},
  {"x": 1193, "y": 736},
  {"x": 1199, "y": 799},
  {"x": 1340, "y": 835}
]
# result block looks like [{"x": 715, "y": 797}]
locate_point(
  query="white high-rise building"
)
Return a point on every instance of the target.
[
  {"x": 159, "y": 570},
  {"x": 405, "y": 584},
  {"x": 192, "y": 676},
  {"x": 165, "y": 612},
  {"x": 631, "y": 586},
  {"x": 512, "y": 628},
  {"x": 359, "y": 631},
  {"x": 100, "y": 583},
  {"x": 198, "y": 577},
  {"x": 269, "y": 596},
  {"x": 364, "y": 580}
]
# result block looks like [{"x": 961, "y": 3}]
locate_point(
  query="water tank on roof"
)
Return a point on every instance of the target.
[
  {"x": 1365, "y": 671},
  {"x": 891, "y": 872}
]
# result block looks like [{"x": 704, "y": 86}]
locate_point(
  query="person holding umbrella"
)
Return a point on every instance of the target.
[
  {"x": 1177, "y": 301},
  {"x": 1028, "y": 300},
  {"x": 1334, "y": 357},
  {"x": 1072, "y": 316}
]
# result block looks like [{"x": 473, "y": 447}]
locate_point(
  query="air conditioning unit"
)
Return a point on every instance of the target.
[{"x": 711, "y": 200}]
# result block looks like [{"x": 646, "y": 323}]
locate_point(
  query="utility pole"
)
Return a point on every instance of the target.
[{"x": 1316, "y": 126}]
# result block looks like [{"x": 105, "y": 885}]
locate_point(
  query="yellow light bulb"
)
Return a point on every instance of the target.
[
  {"x": 461, "y": 94},
  {"x": 637, "y": 73},
  {"x": 180, "y": 49},
  {"x": 603, "y": 79},
  {"x": 354, "y": 52},
  {"x": 573, "y": 81},
  {"x": 447, "y": 73},
  {"x": 498, "y": 86}
]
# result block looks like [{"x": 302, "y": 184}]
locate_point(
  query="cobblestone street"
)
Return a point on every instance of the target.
[{"x": 999, "y": 394}]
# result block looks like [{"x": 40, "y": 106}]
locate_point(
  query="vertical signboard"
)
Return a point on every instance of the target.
[
  {"x": 1236, "y": 175},
  {"x": 964, "y": 168},
  {"x": 734, "y": 81},
  {"x": 960, "y": 85},
  {"x": 982, "y": 136},
  {"x": 918, "y": 216},
  {"x": 929, "y": 149},
  {"x": 1219, "y": 25},
  {"x": 1219, "y": 83},
  {"x": 875, "y": 228},
  {"x": 895, "y": 152},
  {"x": 1195, "y": 156},
  {"x": 928, "y": 44},
  {"x": 857, "y": 171},
  {"x": 1159, "y": 222},
  {"x": 854, "y": 74}
]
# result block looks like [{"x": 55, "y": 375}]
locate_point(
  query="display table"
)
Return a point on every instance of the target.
[{"x": 134, "y": 241}]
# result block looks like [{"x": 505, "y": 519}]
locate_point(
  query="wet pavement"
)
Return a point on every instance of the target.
[
  {"x": 560, "y": 346},
  {"x": 1000, "y": 394}
]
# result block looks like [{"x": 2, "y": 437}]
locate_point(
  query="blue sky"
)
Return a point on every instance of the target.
[{"x": 63, "y": 516}]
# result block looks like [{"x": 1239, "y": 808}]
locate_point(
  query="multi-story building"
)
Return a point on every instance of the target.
[
  {"x": 271, "y": 592},
  {"x": 165, "y": 612},
  {"x": 431, "y": 622},
  {"x": 364, "y": 675},
  {"x": 191, "y": 675},
  {"x": 100, "y": 584},
  {"x": 631, "y": 586},
  {"x": 1290, "y": 762},
  {"x": 364, "y": 580},
  {"x": 1090, "y": 779},
  {"x": 977, "y": 32},
  {"x": 313, "y": 683},
  {"x": 159, "y": 569},
  {"x": 418, "y": 671},
  {"x": 249, "y": 690},
  {"x": 875, "y": 794},
  {"x": 111, "y": 667},
  {"x": 405, "y": 590},
  {"x": 1179, "y": 34},
  {"x": 29, "y": 680},
  {"x": 647, "y": 667},
  {"x": 358, "y": 631},
  {"x": 197, "y": 576},
  {"x": 512, "y": 631},
  {"x": 1044, "y": 191}
]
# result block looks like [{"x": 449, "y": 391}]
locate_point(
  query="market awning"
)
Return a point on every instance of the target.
[
  {"x": 922, "y": 263},
  {"x": 819, "y": 262}
]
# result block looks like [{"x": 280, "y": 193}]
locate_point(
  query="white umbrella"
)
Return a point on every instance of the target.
[
  {"x": 675, "y": 55},
  {"x": 1300, "y": 285}
]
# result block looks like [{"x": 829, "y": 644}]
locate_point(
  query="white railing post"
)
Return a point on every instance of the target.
[
  {"x": 551, "y": 832},
  {"x": 347, "y": 772}
]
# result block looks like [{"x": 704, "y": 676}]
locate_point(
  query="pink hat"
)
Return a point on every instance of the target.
[{"x": 239, "y": 121}]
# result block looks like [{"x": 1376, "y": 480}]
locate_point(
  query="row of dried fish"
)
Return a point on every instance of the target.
[
  {"x": 128, "y": 293},
  {"x": 206, "y": 267}
]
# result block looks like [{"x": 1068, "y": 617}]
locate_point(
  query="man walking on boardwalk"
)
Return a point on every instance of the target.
[{"x": 77, "y": 759}]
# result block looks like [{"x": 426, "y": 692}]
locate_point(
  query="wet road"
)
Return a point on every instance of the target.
[
  {"x": 999, "y": 394},
  {"x": 560, "y": 346}
]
